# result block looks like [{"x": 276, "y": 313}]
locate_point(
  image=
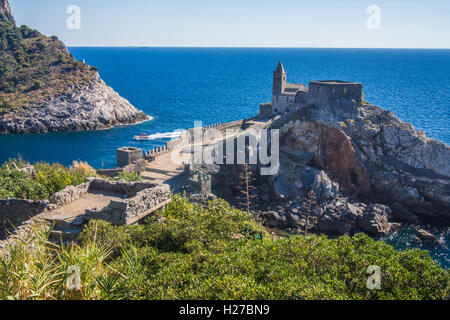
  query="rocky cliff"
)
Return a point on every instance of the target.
[
  {"x": 85, "y": 107},
  {"x": 364, "y": 166},
  {"x": 43, "y": 88}
]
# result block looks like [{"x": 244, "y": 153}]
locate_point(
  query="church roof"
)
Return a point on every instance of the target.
[{"x": 280, "y": 68}]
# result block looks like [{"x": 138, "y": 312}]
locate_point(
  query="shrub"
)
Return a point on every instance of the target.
[
  {"x": 83, "y": 168},
  {"x": 55, "y": 177},
  {"x": 190, "y": 251},
  {"x": 37, "y": 84},
  {"x": 47, "y": 179}
]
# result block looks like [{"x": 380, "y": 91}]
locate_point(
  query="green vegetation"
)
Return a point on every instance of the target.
[
  {"x": 127, "y": 176},
  {"x": 189, "y": 251},
  {"x": 18, "y": 179},
  {"x": 34, "y": 67},
  {"x": 343, "y": 124}
]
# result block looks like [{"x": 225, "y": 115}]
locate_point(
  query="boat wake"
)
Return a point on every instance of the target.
[{"x": 166, "y": 135}]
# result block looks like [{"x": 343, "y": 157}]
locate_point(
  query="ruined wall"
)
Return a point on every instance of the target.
[
  {"x": 119, "y": 187},
  {"x": 265, "y": 110},
  {"x": 13, "y": 212},
  {"x": 69, "y": 194},
  {"x": 322, "y": 92},
  {"x": 128, "y": 155},
  {"x": 131, "y": 210}
]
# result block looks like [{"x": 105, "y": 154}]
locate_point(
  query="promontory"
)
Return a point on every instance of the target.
[{"x": 44, "y": 89}]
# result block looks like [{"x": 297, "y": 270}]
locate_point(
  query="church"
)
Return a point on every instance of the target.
[{"x": 287, "y": 96}]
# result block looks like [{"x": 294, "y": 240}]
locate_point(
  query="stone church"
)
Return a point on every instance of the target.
[{"x": 287, "y": 96}]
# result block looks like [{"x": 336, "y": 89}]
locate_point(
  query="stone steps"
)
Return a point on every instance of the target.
[
  {"x": 65, "y": 231},
  {"x": 64, "y": 235}
]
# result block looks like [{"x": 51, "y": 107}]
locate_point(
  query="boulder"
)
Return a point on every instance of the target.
[
  {"x": 399, "y": 213},
  {"x": 375, "y": 220},
  {"x": 282, "y": 189},
  {"x": 425, "y": 235},
  {"x": 323, "y": 187}
]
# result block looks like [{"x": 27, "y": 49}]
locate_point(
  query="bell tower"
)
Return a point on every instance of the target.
[{"x": 279, "y": 80}]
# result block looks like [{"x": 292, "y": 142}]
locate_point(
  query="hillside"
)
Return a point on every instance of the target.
[
  {"x": 33, "y": 66},
  {"x": 35, "y": 71}
]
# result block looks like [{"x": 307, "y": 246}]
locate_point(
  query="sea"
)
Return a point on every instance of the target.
[{"x": 177, "y": 86}]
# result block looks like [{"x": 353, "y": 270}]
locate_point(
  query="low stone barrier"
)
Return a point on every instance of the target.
[
  {"x": 14, "y": 212},
  {"x": 69, "y": 194},
  {"x": 137, "y": 166},
  {"x": 133, "y": 209},
  {"x": 129, "y": 189},
  {"x": 206, "y": 133}
]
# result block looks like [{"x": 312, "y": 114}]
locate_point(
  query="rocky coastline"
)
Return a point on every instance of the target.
[
  {"x": 368, "y": 171},
  {"x": 89, "y": 106}
]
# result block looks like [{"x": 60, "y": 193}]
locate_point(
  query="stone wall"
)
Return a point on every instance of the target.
[
  {"x": 140, "y": 199},
  {"x": 133, "y": 209},
  {"x": 13, "y": 212},
  {"x": 322, "y": 92},
  {"x": 129, "y": 189},
  {"x": 207, "y": 134},
  {"x": 69, "y": 194},
  {"x": 128, "y": 155}
]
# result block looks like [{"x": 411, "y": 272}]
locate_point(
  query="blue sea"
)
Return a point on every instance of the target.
[{"x": 180, "y": 85}]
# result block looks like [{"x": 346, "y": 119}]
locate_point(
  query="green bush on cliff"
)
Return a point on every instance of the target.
[
  {"x": 189, "y": 251},
  {"x": 47, "y": 180},
  {"x": 33, "y": 66}
]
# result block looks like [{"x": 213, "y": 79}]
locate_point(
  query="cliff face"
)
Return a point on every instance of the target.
[
  {"x": 43, "y": 88},
  {"x": 365, "y": 167},
  {"x": 85, "y": 107},
  {"x": 371, "y": 156}
]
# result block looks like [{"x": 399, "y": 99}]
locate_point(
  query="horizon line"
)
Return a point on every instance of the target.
[{"x": 250, "y": 47}]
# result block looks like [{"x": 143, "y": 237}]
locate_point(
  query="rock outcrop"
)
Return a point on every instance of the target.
[
  {"x": 365, "y": 168},
  {"x": 86, "y": 107},
  {"x": 373, "y": 156},
  {"x": 44, "y": 89}
]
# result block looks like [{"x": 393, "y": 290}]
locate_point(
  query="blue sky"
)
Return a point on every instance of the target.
[{"x": 242, "y": 23}]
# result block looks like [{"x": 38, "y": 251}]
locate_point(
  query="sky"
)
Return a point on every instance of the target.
[{"x": 242, "y": 23}]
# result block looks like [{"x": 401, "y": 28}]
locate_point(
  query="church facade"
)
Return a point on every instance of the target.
[{"x": 287, "y": 96}]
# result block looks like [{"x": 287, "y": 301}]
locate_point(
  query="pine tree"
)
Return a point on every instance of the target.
[
  {"x": 247, "y": 188},
  {"x": 309, "y": 206}
]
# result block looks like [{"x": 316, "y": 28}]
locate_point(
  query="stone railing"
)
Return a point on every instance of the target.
[
  {"x": 170, "y": 145},
  {"x": 69, "y": 194},
  {"x": 133, "y": 209},
  {"x": 156, "y": 152}
]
